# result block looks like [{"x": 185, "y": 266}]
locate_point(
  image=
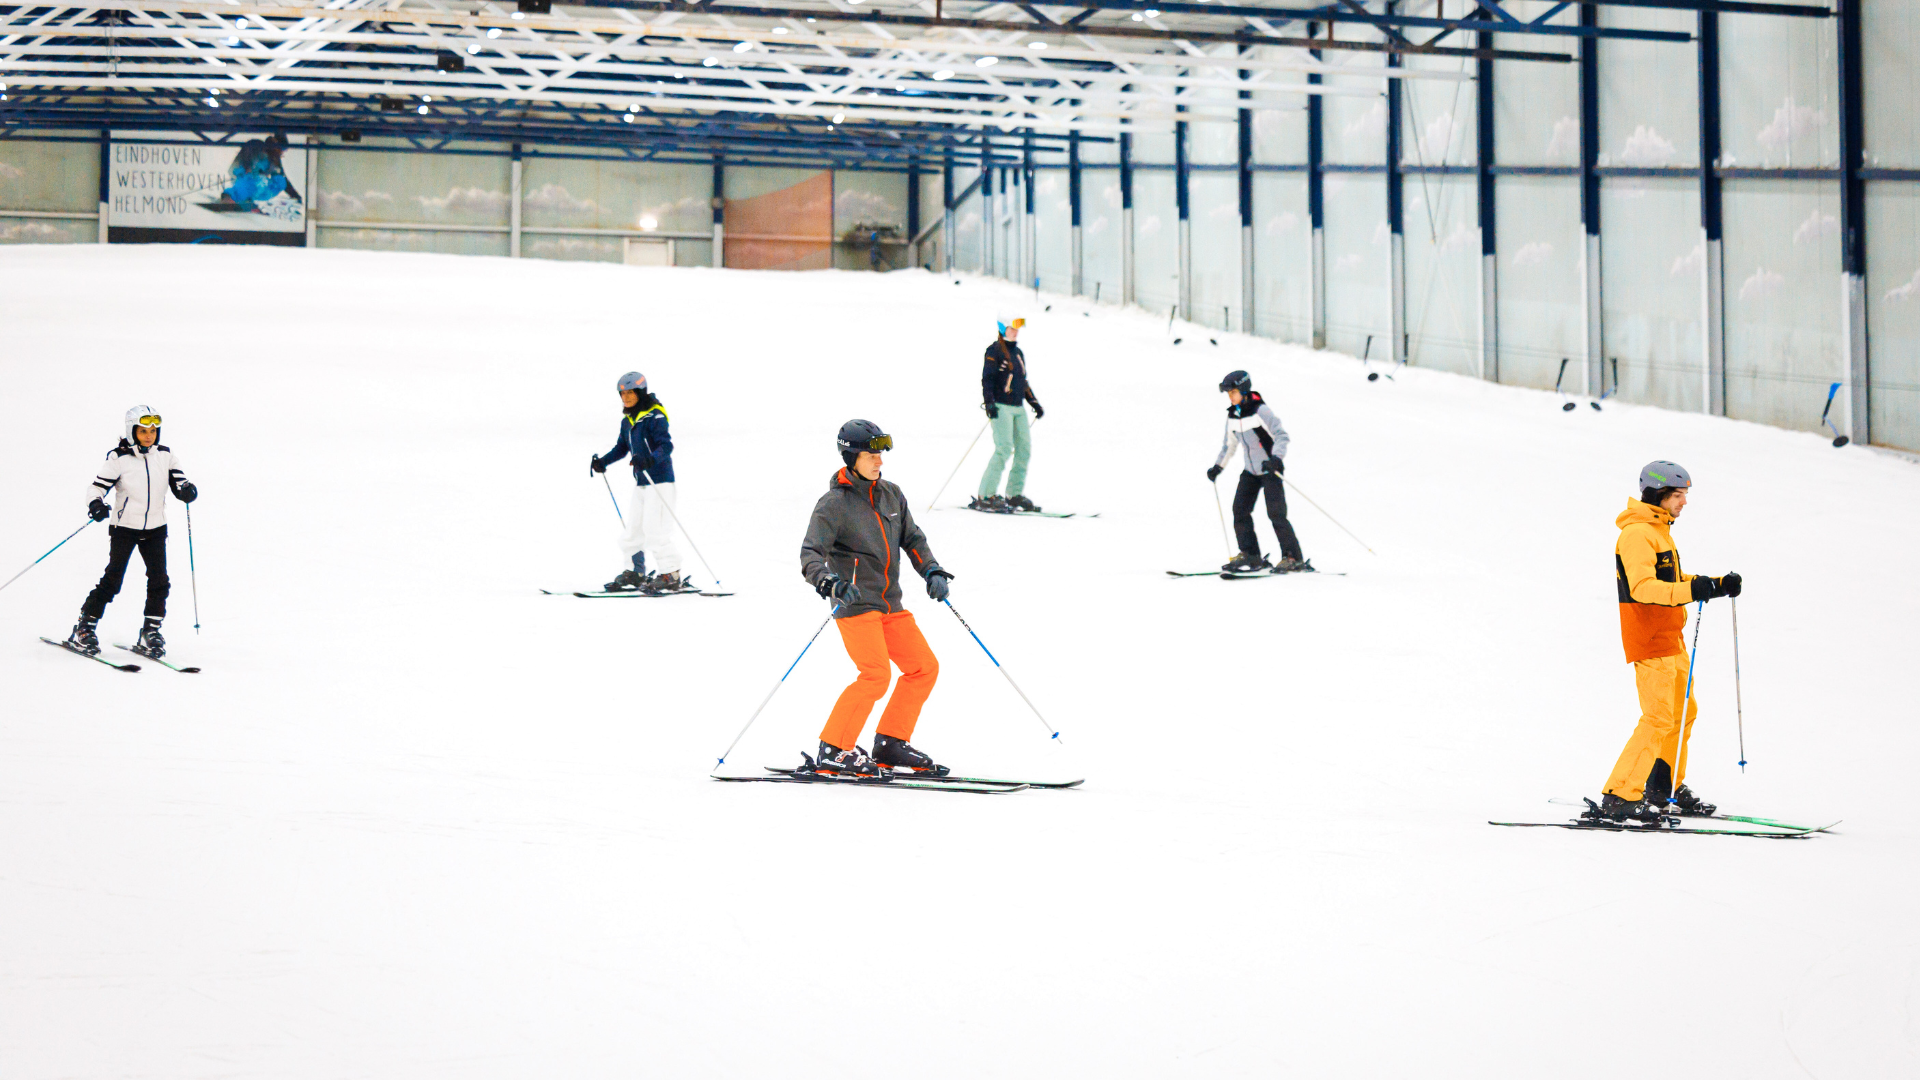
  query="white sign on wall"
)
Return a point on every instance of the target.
[{"x": 177, "y": 182}]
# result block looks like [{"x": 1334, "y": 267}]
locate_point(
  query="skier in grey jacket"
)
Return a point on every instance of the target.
[
  {"x": 1253, "y": 426},
  {"x": 860, "y": 533}
]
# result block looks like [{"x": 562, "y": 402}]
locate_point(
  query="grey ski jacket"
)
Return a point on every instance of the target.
[
  {"x": 1254, "y": 426},
  {"x": 862, "y": 530}
]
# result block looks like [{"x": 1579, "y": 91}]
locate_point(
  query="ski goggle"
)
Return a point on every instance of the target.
[
  {"x": 879, "y": 443},
  {"x": 149, "y": 420}
]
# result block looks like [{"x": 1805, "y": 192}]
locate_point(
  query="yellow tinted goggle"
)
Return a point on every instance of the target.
[
  {"x": 879, "y": 443},
  {"x": 149, "y": 420},
  {"x": 1016, "y": 324}
]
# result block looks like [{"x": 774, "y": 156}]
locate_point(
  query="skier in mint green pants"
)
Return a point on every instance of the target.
[{"x": 1004, "y": 385}]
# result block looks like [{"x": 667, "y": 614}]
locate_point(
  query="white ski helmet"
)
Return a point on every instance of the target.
[{"x": 141, "y": 416}]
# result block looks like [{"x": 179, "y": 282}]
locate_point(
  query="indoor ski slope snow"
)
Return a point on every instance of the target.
[{"x": 418, "y": 820}]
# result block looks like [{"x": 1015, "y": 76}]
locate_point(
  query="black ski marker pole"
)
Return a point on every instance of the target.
[
  {"x": 50, "y": 551},
  {"x": 1051, "y": 734},
  {"x": 1739, "y": 712},
  {"x": 193, "y": 573},
  {"x": 1680, "y": 724},
  {"x": 722, "y": 760},
  {"x": 616, "y": 501}
]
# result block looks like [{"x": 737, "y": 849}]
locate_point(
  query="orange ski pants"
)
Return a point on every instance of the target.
[
  {"x": 873, "y": 639},
  {"x": 1659, "y": 736}
]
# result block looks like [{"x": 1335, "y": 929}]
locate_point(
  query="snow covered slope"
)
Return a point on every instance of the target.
[{"x": 418, "y": 820}]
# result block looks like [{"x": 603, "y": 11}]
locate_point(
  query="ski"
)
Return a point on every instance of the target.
[
  {"x": 1623, "y": 827},
  {"x": 1259, "y": 574},
  {"x": 628, "y": 594},
  {"x": 1044, "y": 785},
  {"x": 158, "y": 660},
  {"x": 876, "y": 781},
  {"x": 90, "y": 656},
  {"x": 1027, "y": 513},
  {"x": 1772, "y": 823}
]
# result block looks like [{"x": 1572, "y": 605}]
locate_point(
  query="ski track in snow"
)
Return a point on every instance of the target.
[{"x": 417, "y": 820}]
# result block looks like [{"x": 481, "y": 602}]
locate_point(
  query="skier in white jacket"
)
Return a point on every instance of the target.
[
  {"x": 1253, "y": 427},
  {"x": 131, "y": 487}
]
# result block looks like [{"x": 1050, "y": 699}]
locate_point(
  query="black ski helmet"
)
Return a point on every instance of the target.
[
  {"x": 1237, "y": 380},
  {"x": 861, "y": 435}
]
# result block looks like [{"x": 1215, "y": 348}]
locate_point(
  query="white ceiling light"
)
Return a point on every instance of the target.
[
  {"x": 986, "y": 61},
  {"x": 518, "y": 15},
  {"x": 1036, "y": 44},
  {"x": 839, "y": 118},
  {"x": 742, "y": 46},
  {"x": 473, "y": 50},
  {"x": 1152, "y": 13},
  {"x": 426, "y": 97},
  {"x": 633, "y": 108},
  {"x": 1137, "y": 17},
  {"x": 649, "y": 222},
  {"x": 628, "y": 117},
  {"x": 942, "y": 76},
  {"x": 213, "y": 102},
  {"x": 233, "y": 41},
  {"x": 422, "y": 110},
  {"x": 779, "y": 29},
  {"x": 493, "y": 31},
  {"x": 709, "y": 62}
]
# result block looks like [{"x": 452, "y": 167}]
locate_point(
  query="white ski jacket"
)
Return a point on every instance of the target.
[
  {"x": 134, "y": 482},
  {"x": 1259, "y": 434}
]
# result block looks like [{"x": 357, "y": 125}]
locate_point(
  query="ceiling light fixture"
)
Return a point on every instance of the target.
[
  {"x": 493, "y": 31},
  {"x": 839, "y": 118},
  {"x": 986, "y": 61},
  {"x": 1152, "y": 13},
  {"x": 779, "y": 29},
  {"x": 742, "y": 46},
  {"x": 423, "y": 110},
  {"x": 649, "y": 222},
  {"x": 473, "y": 50},
  {"x": 1036, "y": 44},
  {"x": 942, "y": 76},
  {"x": 709, "y": 62},
  {"x": 628, "y": 117},
  {"x": 1137, "y": 17}
]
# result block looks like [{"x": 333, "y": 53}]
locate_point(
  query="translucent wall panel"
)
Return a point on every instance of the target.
[
  {"x": 1540, "y": 307},
  {"x": 366, "y": 186},
  {"x": 1153, "y": 144},
  {"x": 1651, "y": 265},
  {"x": 968, "y": 223},
  {"x": 534, "y": 245},
  {"x": 445, "y": 243},
  {"x": 1053, "y": 229},
  {"x": 1214, "y": 219},
  {"x": 1893, "y": 311},
  {"x": 1536, "y": 106},
  {"x": 1354, "y": 129},
  {"x": 1156, "y": 241},
  {"x": 862, "y": 203},
  {"x": 1649, "y": 93},
  {"x": 1778, "y": 92},
  {"x": 1437, "y": 117},
  {"x": 615, "y": 195},
  {"x": 1214, "y": 141},
  {"x": 1282, "y": 257},
  {"x": 693, "y": 253},
  {"x": 50, "y": 177},
  {"x": 48, "y": 231},
  {"x": 1891, "y": 39},
  {"x": 1280, "y": 135},
  {"x": 1100, "y": 234},
  {"x": 1443, "y": 274},
  {"x": 1358, "y": 291},
  {"x": 1782, "y": 258}
]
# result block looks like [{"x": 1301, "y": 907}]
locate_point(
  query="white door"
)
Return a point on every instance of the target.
[{"x": 642, "y": 252}]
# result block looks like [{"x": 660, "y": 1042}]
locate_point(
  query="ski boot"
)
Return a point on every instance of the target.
[
  {"x": 628, "y": 581},
  {"x": 83, "y": 637},
  {"x": 662, "y": 584},
  {"x": 1021, "y": 502},
  {"x": 900, "y": 756},
  {"x": 992, "y": 504},
  {"x": 1244, "y": 563},
  {"x": 1691, "y": 805},
  {"x": 1613, "y": 808},
  {"x": 150, "y": 644},
  {"x": 1292, "y": 566},
  {"x": 835, "y": 761}
]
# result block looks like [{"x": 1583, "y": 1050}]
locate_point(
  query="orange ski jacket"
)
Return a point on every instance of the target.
[{"x": 1654, "y": 592}]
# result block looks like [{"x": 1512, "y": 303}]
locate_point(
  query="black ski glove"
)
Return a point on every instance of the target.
[
  {"x": 1706, "y": 588},
  {"x": 97, "y": 510},
  {"x": 836, "y": 588},
  {"x": 185, "y": 491},
  {"x": 1213, "y": 474},
  {"x": 1275, "y": 466},
  {"x": 1038, "y": 412},
  {"x": 993, "y": 411},
  {"x": 937, "y": 578},
  {"x": 1730, "y": 584},
  {"x": 598, "y": 466}
]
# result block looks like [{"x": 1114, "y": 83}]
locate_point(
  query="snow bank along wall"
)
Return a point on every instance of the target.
[{"x": 1496, "y": 225}]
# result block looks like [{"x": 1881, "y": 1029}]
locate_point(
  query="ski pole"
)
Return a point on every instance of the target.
[
  {"x": 1680, "y": 727},
  {"x": 957, "y": 464},
  {"x": 193, "y": 573},
  {"x": 1220, "y": 510},
  {"x": 690, "y": 543},
  {"x": 1739, "y": 713},
  {"x": 722, "y": 760},
  {"x": 50, "y": 551},
  {"x": 1051, "y": 734},
  {"x": 616, "y": 501},
  {"x": 1330, "y": 517}
]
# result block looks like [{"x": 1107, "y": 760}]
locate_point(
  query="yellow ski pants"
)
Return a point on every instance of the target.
[{"x": 1662, "y": 682}]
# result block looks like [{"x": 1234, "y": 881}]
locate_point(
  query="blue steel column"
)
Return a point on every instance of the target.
[
  {"x": 913, "y": 211},
  {"x": 1396, "y": 217},
  {"x": 1073, "y": 207},
  {"x": 1590, "y": 194},
  {"x": 987, "y": 223},
  {"x": 1246, "y": 209},
  {"x": 1317, "y": 206},
  {"x": 1489, "y": 245},
  {"x": 947, "y": 239},
  {"x": 1031, "y": 247},
  {"x": 1181, "y": 205},
  {"x": 1126, "y": 218},
  {"x": 719, "y": 214},
  {"x": 106, "y": 173},
  {"x": 1713, "y": 277},
  {"x": 1853, "y": 227}
]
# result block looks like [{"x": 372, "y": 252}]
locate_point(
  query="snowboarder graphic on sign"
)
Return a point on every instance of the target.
[{"x": 258, "y": 176}]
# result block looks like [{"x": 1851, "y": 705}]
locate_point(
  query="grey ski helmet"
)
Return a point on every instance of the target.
[
  {"x": 138, "y": 417},
  {"x": 633, "y": 381},
  {"x": 861, "y": 435},
  {"x": 1237, "y": 380},
  {"x": 1663, "y": 474}
]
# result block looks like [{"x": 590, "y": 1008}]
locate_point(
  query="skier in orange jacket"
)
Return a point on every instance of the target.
[{"x": 1654, "y": 594}]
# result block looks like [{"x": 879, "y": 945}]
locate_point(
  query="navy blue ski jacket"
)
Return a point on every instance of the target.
[{"x": 644, "y": 435}]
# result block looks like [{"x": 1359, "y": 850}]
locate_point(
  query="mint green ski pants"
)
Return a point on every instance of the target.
[{"x": 1011, "y": 439}]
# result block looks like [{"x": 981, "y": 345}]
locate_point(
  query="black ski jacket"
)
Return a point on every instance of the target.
[
  {"x": 1004, "y": 380},
  {"x": 856, "y": 529}
]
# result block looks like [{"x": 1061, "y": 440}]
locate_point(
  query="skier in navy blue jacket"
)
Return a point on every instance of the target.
[{"x": 644, "y": 439}]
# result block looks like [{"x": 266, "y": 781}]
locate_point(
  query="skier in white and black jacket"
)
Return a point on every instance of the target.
[
  {"x": 1254, "y": 427},
  {"x": 131, "y": 487}
]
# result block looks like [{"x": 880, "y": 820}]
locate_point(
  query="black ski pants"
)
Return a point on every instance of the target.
[
  {"x": 153, "y": 551},
  {"x": 1243, "y": 500}
]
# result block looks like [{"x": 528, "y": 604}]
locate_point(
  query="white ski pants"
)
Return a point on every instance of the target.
[{"x": 650, "y": 528}]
